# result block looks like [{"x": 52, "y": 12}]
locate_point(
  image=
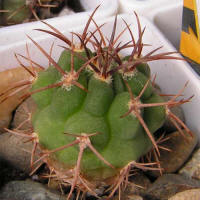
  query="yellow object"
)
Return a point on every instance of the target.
[
  {"x": 190, "y": 35},
  {"x": 189, "y": 4}
]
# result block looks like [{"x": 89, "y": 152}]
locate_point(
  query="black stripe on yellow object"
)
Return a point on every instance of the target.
[
  {"x": 189, "y": 44},
  {"x": 194, "y": 65},
  {"x": 188, "y": 20}
]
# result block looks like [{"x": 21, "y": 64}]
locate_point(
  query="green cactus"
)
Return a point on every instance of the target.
[
  {"x": 69, "y": 109},
  {"x": 97, "y": 112},
  {"x": 18, "y": 11}
]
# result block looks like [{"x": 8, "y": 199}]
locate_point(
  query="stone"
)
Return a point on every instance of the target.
[
  {"x": 22, "y": 117},
  {"x": 8, "y": 99},
  {"x": 180, "y": 150},
  {"x": 138, "y": 184},
  {"x": 193, "y": 194},
  {"x": 192, "y": 167},
  {"x": 46, "y": 13},
  {"x": 28, "y": 190},
  {"x": 134, "y": 197},
  {"x": 136, "y": 187},
  {"x": 128, "y": 197},
  {"x": 66, "y": 11},
  {"x": 16, "y": 151},
  {"x": 177, "y": 110},
  {"x": 168, "y": 185},
  {"x": 10, "y": 173},
  {"x": 5, "y": 122}
]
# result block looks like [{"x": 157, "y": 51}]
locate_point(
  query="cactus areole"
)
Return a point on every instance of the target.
[{"x": 97, "y": 111}]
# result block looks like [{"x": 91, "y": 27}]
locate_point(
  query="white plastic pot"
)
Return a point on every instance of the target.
[
  {"x": 143, "y": 7},
  {"x": 169, "y": 20},
  {"x": 165, "y": 14},
  {"x": 171, "y": 74},
  {"x": 15, "y": 33}
]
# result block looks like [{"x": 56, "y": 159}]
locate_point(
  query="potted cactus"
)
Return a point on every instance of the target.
[
  {"x": 98, "y": 111},
  {"x": 20, "y": 11}
]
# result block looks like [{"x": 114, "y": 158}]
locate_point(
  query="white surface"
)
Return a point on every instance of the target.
[
  {"x": 171, "y": 74},
  {"x": 16, "y": 33},
  {"x": 143, "y": 7},
  {"x": 169, "y": 20},
  {"x": 166, "y": 14}
]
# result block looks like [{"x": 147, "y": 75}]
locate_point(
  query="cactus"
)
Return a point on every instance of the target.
[
  {"x": 19, "y": 11},
  {"x": 13, "y": 6},
  {"x": 97, "y": 111}
]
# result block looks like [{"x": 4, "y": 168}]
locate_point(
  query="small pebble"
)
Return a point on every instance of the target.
[
  {"x": 28, "y": 190},
  {"x": 134, "y": 197},
  {"x": 5, "y": 122},
  {"x": 127, "y": 197},
  {"x": 16, "y": 151},
  {"x": 138, "y": 184},
  {"x": 136, "y": 187},
  {"x": 192, "y": 167},
  {"x": 180, "y": 150},
  {"x": 66, "y": 11},
  {"x": 193, "y": 194},
  {"x": 168, "y": 185},
  {"x": 22, "y": 117},
  {"x": 178, "y": 111},
  {"x": 9, "y": 78}
]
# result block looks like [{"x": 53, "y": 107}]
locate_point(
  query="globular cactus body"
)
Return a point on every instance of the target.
[
  {"x": 20, "y": 11},
  {"x": 13, "y": 6},
  {"x": 69, "y": 109}
]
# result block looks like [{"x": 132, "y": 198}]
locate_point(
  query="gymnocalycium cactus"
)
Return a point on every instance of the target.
[
  {"x": 19, "y": 11},
  {"x": 97, "y": 111}
]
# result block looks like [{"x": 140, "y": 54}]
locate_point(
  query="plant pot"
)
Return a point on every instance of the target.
[
  {"x": 16, "y": 33},
  {"x": 166, "y": 15}
]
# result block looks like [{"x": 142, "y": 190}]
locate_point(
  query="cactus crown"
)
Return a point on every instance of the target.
[{"x": 97, "y": 111}]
